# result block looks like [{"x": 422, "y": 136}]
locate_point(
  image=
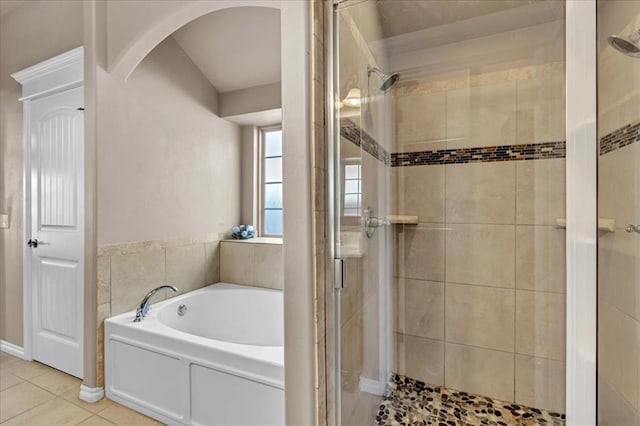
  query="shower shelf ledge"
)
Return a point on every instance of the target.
[
  {"x": 604, "y": 224},
  {"x": 397, "y": 219}
]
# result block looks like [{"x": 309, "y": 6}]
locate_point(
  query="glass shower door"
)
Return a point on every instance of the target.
[
  {"x": 362, "y": 197},
  {"x": 449, "y": 210}
]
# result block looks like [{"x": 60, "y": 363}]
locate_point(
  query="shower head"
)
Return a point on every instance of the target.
[
  {"x": 388, "y": 80},
  {"x": 629, "y": 45}
]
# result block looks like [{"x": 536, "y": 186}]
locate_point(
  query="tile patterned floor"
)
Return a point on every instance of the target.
[
  {"x": 34, "y": 394},
  {"x": 411, "y": 402}
]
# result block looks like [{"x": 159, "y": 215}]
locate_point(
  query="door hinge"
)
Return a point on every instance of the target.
[{"x": 338, "y": 274}]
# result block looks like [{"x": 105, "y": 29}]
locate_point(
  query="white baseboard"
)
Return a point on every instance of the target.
[
  {"x": 88, "y": 394},
  {"x": 374, "y": 387},
  {"x": 11, "y": 349}
]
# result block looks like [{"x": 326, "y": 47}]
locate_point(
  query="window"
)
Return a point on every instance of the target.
[
  {"x": 271, "y": 197},
  {"x": 352, "y": 188}
]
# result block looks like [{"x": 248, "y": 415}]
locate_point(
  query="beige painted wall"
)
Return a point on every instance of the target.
[
  {"x": 28, "y": 35},
  {"x": 168, "y": 167},
  {"x": 251, "y": 100}
]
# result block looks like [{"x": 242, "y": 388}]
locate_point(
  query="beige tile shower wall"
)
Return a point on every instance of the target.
[
  {"x": 127, "y": 272},
  {"x": 252, "y": 263},
  {"x": 619, "y": 199},
  {"x": 480, "y": 282}
]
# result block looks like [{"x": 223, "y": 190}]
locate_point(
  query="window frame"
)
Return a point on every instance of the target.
[
  {"x": 261, "y": 177},
  {"x": 351, "y": 161}
]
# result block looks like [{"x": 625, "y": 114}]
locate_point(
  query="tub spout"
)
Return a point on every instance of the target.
[{"x": 145, "y": 305}]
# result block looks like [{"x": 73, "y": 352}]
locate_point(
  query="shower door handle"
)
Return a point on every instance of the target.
[{"x": 633, "y": 228}]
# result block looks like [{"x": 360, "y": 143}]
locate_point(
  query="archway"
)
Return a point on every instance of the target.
[{"x": 174, "y": 17}]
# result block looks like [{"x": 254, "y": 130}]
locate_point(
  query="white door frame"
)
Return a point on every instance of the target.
[
  {"x": 55, "y": 75},
  {"x": 581, "y": 200}
]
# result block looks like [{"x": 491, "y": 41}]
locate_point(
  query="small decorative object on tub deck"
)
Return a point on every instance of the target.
[{"x": 243, "y": 232}]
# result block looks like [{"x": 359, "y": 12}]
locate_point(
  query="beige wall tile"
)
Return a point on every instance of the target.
[
  {"x": 540, "y": 258},
  {"x": 211, "y": 262},
  {"x": 618, "y": 183},
  {"x": 541, "y": 110},
  {"x": 109, "y": 250},
  {"x": 420, "y": 192},
  {"x": 482, "y": 371},
  {"x": 237, "y": 263},
  {"x": 269, "y": 266},
  {"x": 420, "y": 118},
  {"x": 142, "y": 246},
  {"x": 133, "y": 276},
  {"x": 619, "y": 271},
  {"x": 613, "y": 409},
  {"x": 104, "y": 279},
  {"x": 618, "y": 81},
  {"x": 185, "y": 267},
  {"x": 351, "y": 348},
  {"x": 370, "y": 339},
  {"x": 480, "y": 316},
  {"x": 540, "y": 383},
  {"x": 420, "y": 252},
  {"x": 481, "y": 254},
  {"x": 20, "y": 398},
  {"x": 480, "y": 192},
  {"x": 351, "y": 299},
  {"x": 625, "y": 111},
  {"x": 55, "y": 412},
  {"x": 618, "y": 347},
  {"x": 540, "y": 324},
  {"x": 365, "y": 405},
  {"x": 419, "y": 308},
  {"x": 420, "y": 358},
  {"x": 540, "y": 193},
  {"x": 481, "y": 116},
  {"x": 104, "y": 312}
]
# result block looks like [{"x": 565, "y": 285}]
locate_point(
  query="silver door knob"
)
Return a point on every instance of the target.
[
  {"x": 633, "y": 228},
  {"x": 32, "y": 243}
]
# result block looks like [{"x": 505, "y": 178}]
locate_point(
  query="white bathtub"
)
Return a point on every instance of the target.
[{"x": 222, "y": 363}]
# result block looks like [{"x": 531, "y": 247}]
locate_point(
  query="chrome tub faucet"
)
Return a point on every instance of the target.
[{"x": 145, "y": 305}]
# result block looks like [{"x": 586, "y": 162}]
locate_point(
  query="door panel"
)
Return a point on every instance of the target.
[{"x": 57, "y": 224}]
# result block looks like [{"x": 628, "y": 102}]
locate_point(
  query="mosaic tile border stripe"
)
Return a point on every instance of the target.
[
  {"x": 354, "y": 134},
  {"x": 620, "y": 138},
  {"x": 412, "y": 402},
  {"x": 488, "y": 154},
  {"x": 534, "y": 151}
]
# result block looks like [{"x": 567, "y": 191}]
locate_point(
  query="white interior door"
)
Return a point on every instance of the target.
[{"x": 57, "y": 222}]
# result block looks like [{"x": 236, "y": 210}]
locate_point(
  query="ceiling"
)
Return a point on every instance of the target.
[
  {"x": 405, "y": 16},
  {"x": 235, "y": 48}
]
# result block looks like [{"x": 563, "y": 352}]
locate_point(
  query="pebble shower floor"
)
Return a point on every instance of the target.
[{"x": 411, "y": 402}]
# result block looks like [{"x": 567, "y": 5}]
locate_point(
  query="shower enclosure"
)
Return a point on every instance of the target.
[{"x": 463, "y": 173}]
